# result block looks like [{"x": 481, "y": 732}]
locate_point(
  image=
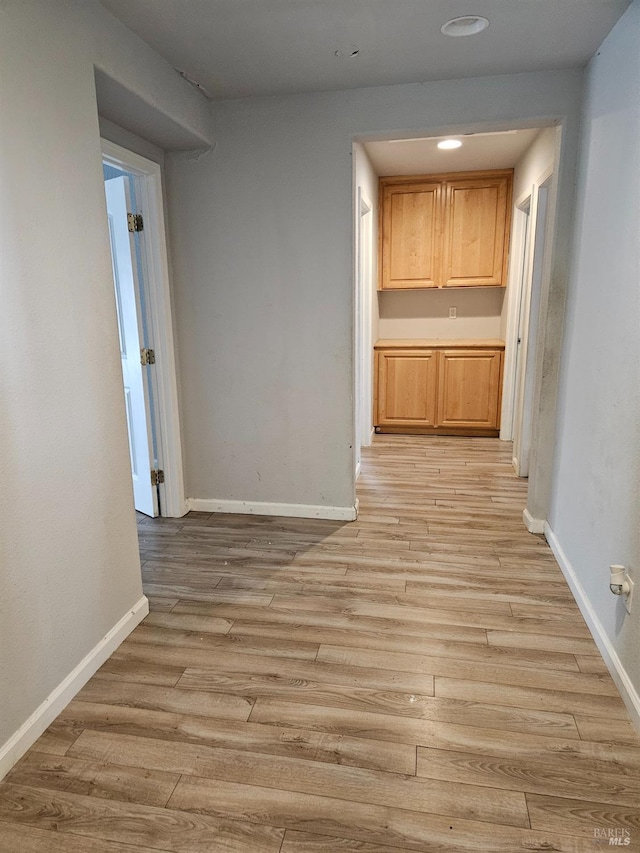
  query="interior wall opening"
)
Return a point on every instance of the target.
[
  {"x": 135, "y": 220},
  {"x": 527, "y": 329},
  {"x": 470, "y": 335},
  {"x": 133, "y": 331}
]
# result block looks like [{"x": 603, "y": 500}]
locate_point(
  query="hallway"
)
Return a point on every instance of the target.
[{"x": 418, "y": 680}]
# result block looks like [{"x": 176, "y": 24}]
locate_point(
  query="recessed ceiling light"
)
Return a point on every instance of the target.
[
  {"x": 466, "y": 25},
  {"x": 448, "y": 144}
]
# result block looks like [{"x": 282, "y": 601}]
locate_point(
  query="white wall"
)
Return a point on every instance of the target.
[
  {"x": 131, "y": 141},
  {"x": 262, "y": 250},
  {"x": 534, "y": 163},
  {"x": 533, "y": 168},
  {"x": 366, "y": 178},
  {"x": 69, "y": 567},
  {"x": 366, "y": 229},
  {"x": 595, "y": 514},
  {"x": 425, "y": 313}
]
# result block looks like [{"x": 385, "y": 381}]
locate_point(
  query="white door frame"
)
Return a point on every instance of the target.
[
  {"x": 522, "y": 334},
  {"x": 517, "y": 277},
  {"x": 523, "y": 419},
  {"x": 155, "y": 284},
  {"x": 363, "y": 347},
  {"x": 520, "y": 283},
  {"x": 520, "y": 271}
]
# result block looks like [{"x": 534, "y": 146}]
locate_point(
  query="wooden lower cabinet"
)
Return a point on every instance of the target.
[
  {"x": 469, "y": 388},
  {"x": 406, "y": 388},
  {"x": 438, "y": 387}
]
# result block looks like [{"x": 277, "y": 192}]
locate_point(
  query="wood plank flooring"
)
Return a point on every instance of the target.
[{"x": 418, "y": 680}]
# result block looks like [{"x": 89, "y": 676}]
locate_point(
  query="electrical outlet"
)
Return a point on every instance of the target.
[
  {"x": 629, "y": 597},
  {"x": 452, "y": 313}
]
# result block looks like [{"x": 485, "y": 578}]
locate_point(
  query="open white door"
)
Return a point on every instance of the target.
[{"x": 136, "y": 394}]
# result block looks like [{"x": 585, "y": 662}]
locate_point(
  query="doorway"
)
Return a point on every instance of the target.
[
  {"x": 135, "y": 219},
  {"x": 522, "y": 241},
  {"x": 502, "y": 315},
  {"x": 528, "y": 319}
]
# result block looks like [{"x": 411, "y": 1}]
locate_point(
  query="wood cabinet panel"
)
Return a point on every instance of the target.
[
  {"x": 476, "y": 232},
  {"x": 411, "y": 234},
  {"x": 445, "y": 230},
  {"x": 406, "y": 385},
  {"x": 446, "y": 387},
  {"x": 469, "y": 389}
]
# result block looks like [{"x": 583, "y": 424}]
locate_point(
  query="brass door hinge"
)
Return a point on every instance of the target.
[
  {"x": 135, "y": 222},
  {"x": 157, "y": 477},
  {"x": 147, "y": 356}
]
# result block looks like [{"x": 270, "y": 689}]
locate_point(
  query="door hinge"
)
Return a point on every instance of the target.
[
  {"x": 135, "y": 222},
  {"x": 157, "y": 477},
  {"x": 147, "y": 356}
]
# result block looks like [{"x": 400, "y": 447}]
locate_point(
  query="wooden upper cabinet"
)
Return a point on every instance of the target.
[
  {"x": 411, "y": 235},
  {"x": 476, "y": 232},
  {"x": 445, "y": 230}
]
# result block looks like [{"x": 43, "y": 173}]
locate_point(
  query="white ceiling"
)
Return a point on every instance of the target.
[
  {"x": 239, "y": 48},
  {"x": 423, "y": 157}
]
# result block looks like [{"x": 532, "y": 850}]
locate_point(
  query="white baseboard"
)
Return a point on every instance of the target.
[
  {"x": 45, "y": 714},
  {"x": 623, "y": 682},
  {"x": 333, "y": 513},
  {"x": 358, "y": 469},
  {"x": 533, "y": 525}
]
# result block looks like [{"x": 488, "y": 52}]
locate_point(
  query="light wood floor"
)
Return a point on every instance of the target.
[{"x": 419, "y": 680}]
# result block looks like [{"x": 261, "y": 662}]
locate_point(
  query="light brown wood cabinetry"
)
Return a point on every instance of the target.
[
  {"x": 407, "y": 381},
  {"x": 445, "y": 230},
  {"x": 476, "y": 238},
  {"x": 469, "y": 388},
  {"x": 440, "y": 387},
  {"x": 411, "y": 235}
]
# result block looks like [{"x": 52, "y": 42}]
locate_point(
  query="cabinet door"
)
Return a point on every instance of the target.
[
  {"x": 476, "y": 232},
  {"x": 406, "y": 388},
  {"x": 411, "y": 236},
  {"x": 469, "y": 388}
]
